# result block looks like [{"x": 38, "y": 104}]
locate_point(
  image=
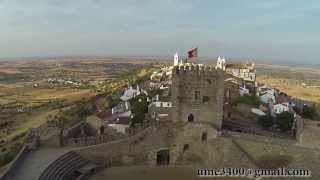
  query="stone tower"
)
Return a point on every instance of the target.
[
  {"x": 221, "y": 63},
  {"x": 176, "y": 59},
  {"x": 197, "y": 95}
]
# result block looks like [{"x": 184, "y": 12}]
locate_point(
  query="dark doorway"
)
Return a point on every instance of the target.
[
  {"x": 190, "y": 118},
  {"x": 163, "y": 157}
]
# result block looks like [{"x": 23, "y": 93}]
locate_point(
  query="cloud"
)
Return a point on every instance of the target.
[{"x": 46, "y": 27}]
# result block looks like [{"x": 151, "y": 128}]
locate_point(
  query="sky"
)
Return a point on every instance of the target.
[{"x": 275, "y": 30}]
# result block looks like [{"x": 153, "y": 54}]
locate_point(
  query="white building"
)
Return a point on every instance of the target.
[
  {"x": 121, "y": 128},
  {"x": 160, "y": 111},
  {"x": 243, "y": 71},
  {"x": 267, "y": 97},
  {"x": 131, "y": 93},
  {"x": 161, "y": 104},
  {"x": 243, "y": 91},
  {"x": 280, "y": 108},
  {"x": 121, "y": 107},
  {"x": 176, "y": 59},
  {"x": 121, "y": 124},
  {"x": 221, "y": 63}
]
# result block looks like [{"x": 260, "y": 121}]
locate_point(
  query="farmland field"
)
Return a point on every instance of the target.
[
  {"x": 31, "y": 91},
  {"x": 300, "y": 83}
]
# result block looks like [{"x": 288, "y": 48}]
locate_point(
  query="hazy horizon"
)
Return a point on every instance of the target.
[
  {"x": 275, "y": 31},
  {"x": 210, "y": 60}
]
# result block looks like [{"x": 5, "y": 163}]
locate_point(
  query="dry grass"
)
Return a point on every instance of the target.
[
  {"x": 292, "y": 87},
  {"x": 29, "y": 121}
]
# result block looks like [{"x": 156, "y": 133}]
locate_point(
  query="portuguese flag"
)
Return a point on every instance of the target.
[{"x": 193, "y": 53}]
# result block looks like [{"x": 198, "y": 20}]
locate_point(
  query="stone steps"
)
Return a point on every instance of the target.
[{"x": 63, "y": 167}]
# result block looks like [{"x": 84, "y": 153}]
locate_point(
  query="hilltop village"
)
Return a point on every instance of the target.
[
  {"x": 183, "y": 114},
  {"x": 248, "y": 106}
]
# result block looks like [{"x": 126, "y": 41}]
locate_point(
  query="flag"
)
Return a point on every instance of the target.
[{"x": 193, "y": 53}]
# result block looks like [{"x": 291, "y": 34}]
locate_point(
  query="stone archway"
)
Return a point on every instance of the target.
[{"x": 163, "y": 157}]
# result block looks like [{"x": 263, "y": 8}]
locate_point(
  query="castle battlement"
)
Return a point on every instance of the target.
[{"x": 197, "y": 69}]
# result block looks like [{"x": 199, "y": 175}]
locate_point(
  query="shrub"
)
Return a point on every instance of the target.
[
  {"x": 9, "y": 156},
  {"x": 297, "y": 110},
  {"x": 139, "y": 108},
  {"x": 309, "y": 112},
  {"x": 251, "y": 100},
  {"x": 285, "y": 121},
  {"x": 265, "y": 121}
]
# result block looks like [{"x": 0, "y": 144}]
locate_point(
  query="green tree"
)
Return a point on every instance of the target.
[
  {"x": 251, "y": 100},
  {"x": 285, "y": 121},
  {"x": 139, "y": 108},
  {"x": 265, "y": 121},
  {"x": 308, "y": 112}
]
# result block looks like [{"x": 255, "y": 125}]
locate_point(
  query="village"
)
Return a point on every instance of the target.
[
  {"x": 168, "y": 110},
  {"x": 249, "y": 106}
]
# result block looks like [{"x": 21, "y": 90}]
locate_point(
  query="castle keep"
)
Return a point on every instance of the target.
[{"x": 197, "y": 94}]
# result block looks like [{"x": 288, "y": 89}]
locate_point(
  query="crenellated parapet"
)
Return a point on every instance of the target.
[{"x": 197, "y": 70}]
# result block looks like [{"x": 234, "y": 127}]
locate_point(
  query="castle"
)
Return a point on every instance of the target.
[{"x": 192, "y": 136}]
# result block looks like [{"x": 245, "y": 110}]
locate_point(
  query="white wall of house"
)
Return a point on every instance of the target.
[
  {"x": 280, "y": 108},
  {"x": 243, "y": 91},
  {"x": 162, "y": 104},
  {"x": 267, "y": 97},
  {"x": 121, "y": 128}
]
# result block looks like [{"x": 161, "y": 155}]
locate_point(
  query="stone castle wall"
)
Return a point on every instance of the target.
[
  {"x": 198, "y": 90},
  {"x": 308, "y": 132}
]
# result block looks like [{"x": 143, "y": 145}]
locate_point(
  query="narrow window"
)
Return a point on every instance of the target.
[
  {"x": 204, "y": 136},
  {"x": 190, "y": 118},
  {"x": 205, "y": 99},
  {"x": 185, "y": 147}
]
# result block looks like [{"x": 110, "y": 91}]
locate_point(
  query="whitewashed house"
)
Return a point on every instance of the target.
[
  {"x": 160, "y": 111},
  {"x": 243, "y": 91},
  {"x": 122, "y": 107},
  {"x": 131, "y": 93},
  {"x": 244, "y": 71},
  {"x": 280, "y": 108},
  {"x": 267, "y": 96},
  {"x": 121, "y": 125}
]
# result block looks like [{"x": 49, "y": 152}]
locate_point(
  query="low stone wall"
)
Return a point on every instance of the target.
[
  {"x": 308, "y": 133},
  {"x": 268, "y": 151},
  {"x": 73, "y": 130},
  {"x": 120, "y": 152},
  {"x": 100, "y": 139},
  {"x": 259, "y": 138},
  {"x": 10, "y": 168},
  {"x": 230, "y": 149},
  {"x": 89, "y": 141}
]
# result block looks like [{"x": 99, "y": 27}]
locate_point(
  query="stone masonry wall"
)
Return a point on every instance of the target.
[{"x": 198, "y": 90}]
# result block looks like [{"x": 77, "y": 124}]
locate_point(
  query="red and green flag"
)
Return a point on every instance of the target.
[{"x": 193, "y": 53}]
